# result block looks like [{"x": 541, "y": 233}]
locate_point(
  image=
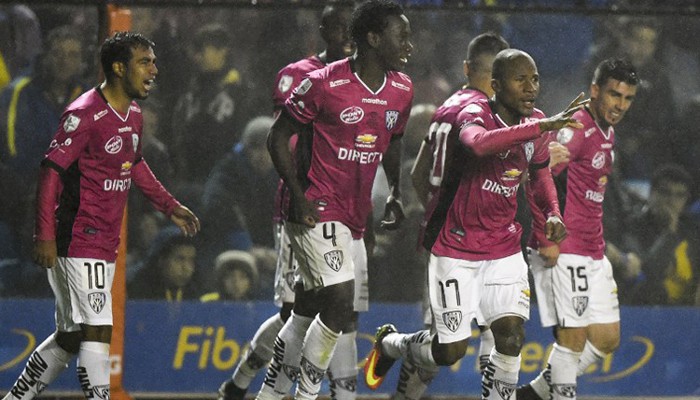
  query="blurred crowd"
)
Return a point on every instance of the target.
[{"x": 206, "y": 126}]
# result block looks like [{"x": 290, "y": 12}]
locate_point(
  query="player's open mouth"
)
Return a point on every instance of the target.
[
  {"x": 348, "y": 48},
  {"x": 149, "y": 84},
  {"x": 529, "y": 102}
]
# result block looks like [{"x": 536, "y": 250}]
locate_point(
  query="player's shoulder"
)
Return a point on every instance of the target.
[
  {"x": 400, "y": 81},
  {"x": 301, "y": 67}
]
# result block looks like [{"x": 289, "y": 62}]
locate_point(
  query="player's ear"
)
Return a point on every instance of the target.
[
  {"x": 373, "y": 39},
  {"x": 595, "y": 90},
  {"x": 465, "y": 67},
  {"x": 496, "y": 85},
  {"x": 119, "y": 69}
]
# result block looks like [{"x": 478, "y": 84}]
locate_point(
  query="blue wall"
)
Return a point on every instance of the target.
[{"x": 192, "y": 347}]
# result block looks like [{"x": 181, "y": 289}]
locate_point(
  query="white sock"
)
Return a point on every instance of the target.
[
  {"x": 414, "y": 347},
  {"x": 486, "y": 343},
  {"x": 316, "y": 355},
  {"x": 342, "y": 371},
  {"x": 259, "y": 353},
  {"x": 563, "y": 363},
  {"x": 284, "y": 368},
  {"x": 500, "y": 376},
  {"x": 44, "y": 365},
  {"x": 541, "y": 384},
  {"x": 590, "y": 356},
  {"x": 413, "y": 381},
  {"x": 93, "y": 369}
]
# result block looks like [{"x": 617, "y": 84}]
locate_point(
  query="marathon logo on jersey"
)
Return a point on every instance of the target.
[
  {"x": 529, "y": 150},
  {"x": 375, "y": 101},
  {"x": 125, "y": 129},
  {"x": 592, "y": 195},
  {"x": 71, "y": 123},
  {"x": 99, "y": 115},
  {"x": 117, "y": 185},
  {"x": 339, "y": 82},
  {"x": 303, "y": 87},
  {"x": 334, "y": 259},
  {"x": 565, "y": 135},
  {"x": 366, "y": 141},
  {"x": 391, "y": 117},
  {"x": 114, "y": 145},
  {"x": 97, "y": 301},
  {"x": 512, "y": 175},
  {"x": 580, "y": 304},
  {"x": 352, "y": 115},
  {"x": 360, "y": 157},
  {"x": 497, "y": 188},
  {"x": 566, "y": 390},
  {"x": 598, "y": 161},
  {"x": 135, "y": 141},
  {"x": 400, "y": 86},
  {"x": 452, "y": 320},
  {"x": 285, "y": 83}
]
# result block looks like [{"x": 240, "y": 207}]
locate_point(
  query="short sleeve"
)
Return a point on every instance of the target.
[
  {"x": 70, "y": 140},
  {"x": 305, "y": 102}
]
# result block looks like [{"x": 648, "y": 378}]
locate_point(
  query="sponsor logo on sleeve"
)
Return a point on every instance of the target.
[
  {"x": 400, "y": 86},
  {"x": 71, "y": 123},
  {"x": 339, "y": 82},
  {"x": 391, "y": 116},
  {"x": 303, "y": 87},
  {"x": 100, "y": 115},
  {"x": 565, "y": 135},
  {"x": 135, "y": 141},
  {"x": 473, "y": 109},
  {"x": 285, "y": 83},
  {"x": 529, "y": 150},
  {"x": 589, "y": 132}
]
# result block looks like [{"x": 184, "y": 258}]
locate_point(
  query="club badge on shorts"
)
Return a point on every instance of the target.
[
  {"x": 334, "y": 259},
  {"x": 97, "y": 301},
  {"x": 452, "y": 320}
]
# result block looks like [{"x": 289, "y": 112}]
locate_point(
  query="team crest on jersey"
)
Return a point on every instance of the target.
[
  {"x": 352, "y": 115},
  {"x": 114, "y": 144},
  {"x": 473, "y": 109},
  {"x": 135, "y": 141},
  {"x": 285, "y": 83},
  {"x": 391, "y": 116},
  {"x": 565, "y": 135},
  {"x": 334, "y": 259},
  {"x": 580, "y": 304},
  {"x": 529, "y": 150},
  {"x": 97, "y": 301},
  {"x": 452, "y": 320},
  {"x": 598, "y": 160},
  {"x": 71, "y": 123},
  {"x": 303, "y": 87}
]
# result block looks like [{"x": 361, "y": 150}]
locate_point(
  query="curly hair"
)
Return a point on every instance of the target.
[{"x": 372, "y": 16}]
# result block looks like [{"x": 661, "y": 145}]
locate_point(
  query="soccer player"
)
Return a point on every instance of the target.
[
  {"x": 349, "y": 116},
  {"x": 432, "y": 163},
  {"x": 335, "y": 20},
  {"x": 579, "y": 295},
  {"x": 476, "y": 263},
  {"x": 83, "y": 186}
]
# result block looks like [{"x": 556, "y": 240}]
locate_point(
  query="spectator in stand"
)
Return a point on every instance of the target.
[
  {"x": 20, "y": 42},
  {"x": 30, "y": 110},
  {"x": 666, "y": 241},
  {"x": 168, "y": 271},
  {"x": 207, "y": 116},
  {"x": 236, "y": 276}
]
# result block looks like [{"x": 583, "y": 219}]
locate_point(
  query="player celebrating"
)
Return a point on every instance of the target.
[
  {"x": 476, "y": 262},
  {"x": 83, "y": 186},
  {"x": 335, "y": 19},
  {"x": 579, "y": 295},
  {"x": 349, "y": 117}
]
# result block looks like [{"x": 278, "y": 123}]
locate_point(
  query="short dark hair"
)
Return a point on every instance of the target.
[
  {"x": 503, "y": 58},
  {"x": 486, "y": 43},
  {"x": 332, "y": 8},
  {"x": 672, "y": 173},
  {"x": 371, "y": 16},
  {"x": 118, "y": 49},
  {"x": 615, "y": 68}
]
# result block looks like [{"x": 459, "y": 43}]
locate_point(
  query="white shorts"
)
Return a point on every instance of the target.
[
  {"x": 328, "y": 255},
  {"x": 285, "y": 272},
  {"x": 460, "y": 290},
  {"x": 578, "y": 292},
  {"x": 83, "y": 290}
]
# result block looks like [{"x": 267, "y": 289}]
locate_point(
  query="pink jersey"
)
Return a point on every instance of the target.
[
  {"x": 590, "y": 163},
  {"x": 287, "y": 79},
  {"x": 477, "y": 221},
  {"x": 352, "y": 129},
  {"x": 94, "y": 151}
]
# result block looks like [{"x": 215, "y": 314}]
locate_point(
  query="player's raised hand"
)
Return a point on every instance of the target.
[
  {"x": 564, "y": 118},
  {"x": 185, "y": 220},
  {"x": 393, "y": 214},
  {"x": 44, "y": 253}
]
